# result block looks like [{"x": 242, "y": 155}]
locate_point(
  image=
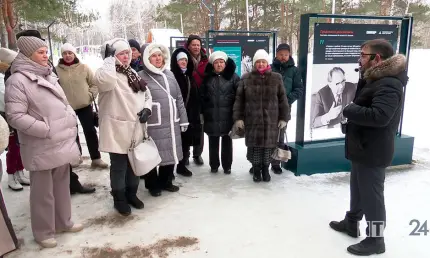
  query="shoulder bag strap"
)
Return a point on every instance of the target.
[
  {"x": 134, "y": 136},
  {"x": 94, "y": 102},
  {"x": 170, "y": 96}
]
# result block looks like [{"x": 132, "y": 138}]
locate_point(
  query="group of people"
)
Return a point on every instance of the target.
[{"x": 174, "y": 100}]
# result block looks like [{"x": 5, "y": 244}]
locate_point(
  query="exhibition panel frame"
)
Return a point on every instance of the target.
[{"x": 319, "y": 146}]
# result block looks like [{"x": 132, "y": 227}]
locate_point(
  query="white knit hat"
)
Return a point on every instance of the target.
[
  {"x": 217, "y": 55},
  {"x": 121, "y": 45},
  {"x": 181, "y": 55},
  {"x": 155, "y": 50},
  {"x": 261, "y": 54},
  {"x": 68, "y": 47},
  {"x": 7, "y": 56}
]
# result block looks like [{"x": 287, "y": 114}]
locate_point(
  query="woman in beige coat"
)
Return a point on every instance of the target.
[
  {"x": 8, "y": 240},
  {"x": 38, "y": 109},
  {"x": 124, "y": 101},
  {"x": 76, "y": 81}
]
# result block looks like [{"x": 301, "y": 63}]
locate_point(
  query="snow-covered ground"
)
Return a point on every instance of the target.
[{"x": 217, "y": 215}]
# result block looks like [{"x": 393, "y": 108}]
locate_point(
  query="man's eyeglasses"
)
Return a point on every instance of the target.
[{"x": 364, "y": 54}]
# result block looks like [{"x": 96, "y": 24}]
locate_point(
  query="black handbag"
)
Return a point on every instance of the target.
[{"x": 96, "y": 113}]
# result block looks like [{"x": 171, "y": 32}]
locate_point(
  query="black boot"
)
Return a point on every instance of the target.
[
  {"x": 156, "y": 192},
  {"x": 198, "y": 161},
  {"x": 130, "y": 195},
  {"x": 120, "y": 203},
  {"x": 266, "y": 174},
  {"x": 277, "y": 169},
  {"x": 257, "y": 173},
  {"x": 350, "y": 228},
  {"x": 171, "y": 188},
  {"x": 183, "y": 170},
  {"x": 369, "y": 246},
  {"x": 76, "y": 187}
]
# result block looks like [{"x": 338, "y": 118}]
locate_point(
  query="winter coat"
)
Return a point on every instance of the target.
[
  {"x": 199, "y": 70},
  {"x": 136, "y": 65},
  {"x": 168, "y": 110},
  {"x": 190, "y": 96},
  {"x": 261, "y": 103},
  {"x": 291, "y": 77},
  {"x": 76, "y": 81},
  {"x": 4, "y": 136},
  {"x": 118, "y": 108},
  {"x": 218, "y": 93},
  {"x": 8, "y": 240},
  {"x": 374, "y": 116},
  {"x": 2, "y": 90},
  {"x": 37, "y": 108}
]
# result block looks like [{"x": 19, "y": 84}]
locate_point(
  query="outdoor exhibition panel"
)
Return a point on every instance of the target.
[{"x": 330, "y": 77}]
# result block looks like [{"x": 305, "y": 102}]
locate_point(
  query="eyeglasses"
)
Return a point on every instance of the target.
[{"x": 364, "y": 54}]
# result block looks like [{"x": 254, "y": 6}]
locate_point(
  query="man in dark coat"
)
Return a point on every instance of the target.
[
  {"x": 200, "y": 60},
  {"x": 183, "y": 67},
  {"x": 372, "y": 122},
  {"x": 327, "y": 104},
  {"x": 136, "y": 59},
  {"x": 284, "y": 64},
  {"x": 218, "y": 93},
  {"x": 75, "y": 185}
]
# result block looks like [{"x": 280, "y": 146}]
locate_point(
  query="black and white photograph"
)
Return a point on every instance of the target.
[{"x": 333, "y": 87}]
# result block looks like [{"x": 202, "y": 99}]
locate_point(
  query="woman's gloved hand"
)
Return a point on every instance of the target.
[
  {"x": 282, "y": 124},
  {"x": 144, "y": 115},
  {"x": 110, "y": 51},
  {"x": 239, "y": 125}
]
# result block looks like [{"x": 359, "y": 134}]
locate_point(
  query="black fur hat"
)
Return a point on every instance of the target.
[{"x": 29, "y": 33}]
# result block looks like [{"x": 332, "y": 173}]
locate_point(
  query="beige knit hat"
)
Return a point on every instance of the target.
[{"x": 28, "y": 45}]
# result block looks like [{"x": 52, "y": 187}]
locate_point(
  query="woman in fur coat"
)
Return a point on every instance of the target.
[{"x": 261, "y": 110}]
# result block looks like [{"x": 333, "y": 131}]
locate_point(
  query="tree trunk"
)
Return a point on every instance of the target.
[
  {"x": 290, "y": 33},
  {"x": 2, "y": 31},
  {"x": 283, "y": 22},
  {"x": 6, "y": 10}
]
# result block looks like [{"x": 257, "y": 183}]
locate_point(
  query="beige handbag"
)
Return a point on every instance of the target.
[
  {"x": 143, "y": 156},
  {"x": 282, "y": 152}
]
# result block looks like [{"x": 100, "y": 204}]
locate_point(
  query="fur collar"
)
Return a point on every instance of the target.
[
  {"x": 174, "y": 67},
  {"x": 388, "y": 68},
  {"x": 230, "y": 69},
  {"x": 148, "y": 65}
]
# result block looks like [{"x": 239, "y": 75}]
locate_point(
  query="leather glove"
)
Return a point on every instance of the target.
[
  {"x": 110, "y": 51},
  {"x": 239, "y": 125},
  {"x": 184, "y": 128},
  {"x": 144, "y": 115},
  {"x": 282, "y": 124}
]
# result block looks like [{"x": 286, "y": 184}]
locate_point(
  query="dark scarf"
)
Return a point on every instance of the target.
[{"x": 134, "y": 81}]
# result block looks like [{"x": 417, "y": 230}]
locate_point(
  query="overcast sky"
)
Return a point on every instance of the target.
[{"x": 102, "y": 7}]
